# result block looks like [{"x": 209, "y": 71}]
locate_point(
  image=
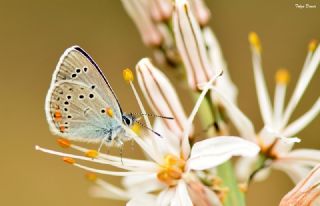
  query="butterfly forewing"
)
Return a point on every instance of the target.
[{"x": 79, "y": 98}]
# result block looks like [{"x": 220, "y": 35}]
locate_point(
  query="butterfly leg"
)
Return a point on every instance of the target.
[
  {"x": 120, "y": 144},
  {"x": 107, "y": 139}
]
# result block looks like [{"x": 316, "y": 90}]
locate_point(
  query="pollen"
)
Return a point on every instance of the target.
[
  {"x": 313, "y": 45},
  {"x": 68, "y": 160},
  {"x": 63, "y": 142},
  {"x": 136, "y": 128},
  {"x": 92, "y": 153},
  {"x": 282, "y": 76},
  {"x": 109, "y": 112},
  {"x": 91, "y": 177},
  {"x": 171, "y": 171},
  {"x": 255, "y": 41},
  {"x": 128, "y": 75}
]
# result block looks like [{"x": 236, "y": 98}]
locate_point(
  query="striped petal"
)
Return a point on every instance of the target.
[
  {"x": 306, "y": 192},
  {"x": 191, "y": 46},
  {"x": 138, "y": 10},
  {"x": 161, "y": 96}
]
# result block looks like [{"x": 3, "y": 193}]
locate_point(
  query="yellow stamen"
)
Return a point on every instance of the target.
[
  {"x": 136, "y": 128},
  {"x": 128, "y": 75},
  {"x": 91, "y": 177},
  {"x": 171, "y": 171},
  {"x": 109, "y": 112},
  {"x": 255, "y": 41},
  {"x": 313, "y": 45},
  {"x": 63, "y": 142},
  {"x": 68, "y": 160},
  {"x": 282, "y": 76},
  {"x": 92, "y": 153}
]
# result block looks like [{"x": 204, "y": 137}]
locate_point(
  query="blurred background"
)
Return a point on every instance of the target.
[{"x": 33, "y": 35}]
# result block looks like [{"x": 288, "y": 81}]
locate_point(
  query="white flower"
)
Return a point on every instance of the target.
[
  {"x": 276, "y": 138},
  {"x": 171, "y": 160},
  {"x": 139, "y": 11},
  {"x": 306, "y": 192},
  {"x": 191, "y": 46}
]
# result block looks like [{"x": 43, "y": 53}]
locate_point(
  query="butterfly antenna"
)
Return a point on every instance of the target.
[
  {"x": 151, "y": 130},
  {"x": 152, "y": 115}
]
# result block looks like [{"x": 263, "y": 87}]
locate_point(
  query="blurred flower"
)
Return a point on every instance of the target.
[
  {"x": 306, "y": 192},
  {"x": 276, "y": 138},
  {"x": 138, "y": 10}
]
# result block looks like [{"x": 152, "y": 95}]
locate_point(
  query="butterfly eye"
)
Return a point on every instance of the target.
[
  {"x": 126, "y": 120},
  {"x": 73, "y": 75},
  {"x": 91, "y": 96},
  {"x": 78, "y": 70}
]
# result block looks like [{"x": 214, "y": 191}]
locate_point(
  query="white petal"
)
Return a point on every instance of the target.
[
  {"x": 296, "y": 126},
  {"x": 141, "y": 166},
  {"x": 161, "y": 10},
  {"x": 214, "y": 151},
  {"x": 242, "y": 123},
  {"x": 181, "y": 198},
  {"x": 261, "y": 88},
  {"x": 185, "y": 138},
  {"x": 302, "y": 84},
  {"x": 169, "y": 144},
  {"x": 309, "y": 157},
  {"x": 296, "y": 172},
  {"x": 165, "y": 197},
  {"x": 138, "y": 11},
  {"x": 224, "y": 83},
  {"x": 279, "y": 98},
  {"x": 142, "y": 183},
  {"x": 142, "y": 199},
  {"x": 200, "y": 10},
  {"x": 161, "y": 96},
  {"x": 191, "y": 45},
  {"x": 107, "y": 190}
]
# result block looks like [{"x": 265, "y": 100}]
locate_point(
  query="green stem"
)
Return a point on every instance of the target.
[
  {"x": 234, "y": 196},
  {"x": 208, "y": 114}
]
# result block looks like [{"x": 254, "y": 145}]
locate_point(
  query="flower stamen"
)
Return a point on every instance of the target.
[{"x": 171, "y": 171}]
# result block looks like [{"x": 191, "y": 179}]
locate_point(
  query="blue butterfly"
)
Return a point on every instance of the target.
[{"x": 81, "y": 105}]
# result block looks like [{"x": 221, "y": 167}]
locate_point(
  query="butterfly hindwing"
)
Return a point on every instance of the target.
[{"x": 79, "y": 97}]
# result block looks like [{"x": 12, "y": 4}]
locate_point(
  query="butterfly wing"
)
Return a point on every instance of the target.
[{"x": 79, "y": 98}]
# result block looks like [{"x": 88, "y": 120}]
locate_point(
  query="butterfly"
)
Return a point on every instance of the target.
[{"x": 81, "y": 105}]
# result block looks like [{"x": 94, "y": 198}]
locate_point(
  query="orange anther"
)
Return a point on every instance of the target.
[
  {"x": 313, "y": 45},
  {"x": 63, "y": 142},
  {"x": 68, "y": 160},
  {"x": 109, "y": 112},
  {"x": 92, "y": 153},
  {"x": 127, "y": 75},
  {"x": 91, "y": 176}
]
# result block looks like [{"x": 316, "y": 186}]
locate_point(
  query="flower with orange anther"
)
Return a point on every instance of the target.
[
  {"x": 171, "y": 160},
  {"x": 306, "y": 192},
  {"x": 276, "y": 138}
]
